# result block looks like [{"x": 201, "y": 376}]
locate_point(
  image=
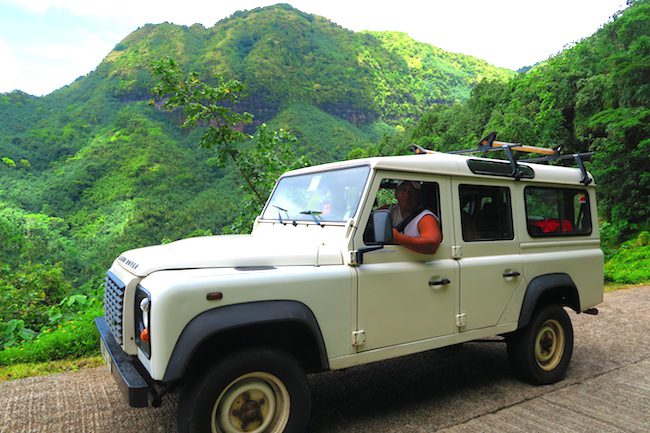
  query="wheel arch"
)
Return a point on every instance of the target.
[
  {"x": 549, "y": 288},
  {"x": 287, "y": 325}
]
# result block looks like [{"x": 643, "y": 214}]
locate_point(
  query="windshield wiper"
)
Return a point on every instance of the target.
[
  {"x": 315, "y": 214},
  {"x": 283, "y": 210}
]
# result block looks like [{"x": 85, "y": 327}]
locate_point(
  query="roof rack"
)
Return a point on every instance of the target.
[{"x": 490, "y": 144}]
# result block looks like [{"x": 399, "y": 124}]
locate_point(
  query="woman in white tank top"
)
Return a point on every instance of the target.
[{"x": 422, "y": 233}]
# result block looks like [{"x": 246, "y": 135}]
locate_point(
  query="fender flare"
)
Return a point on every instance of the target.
[
  {"x": 219, "y": 320},
  {"x": 541, "y": 285}
]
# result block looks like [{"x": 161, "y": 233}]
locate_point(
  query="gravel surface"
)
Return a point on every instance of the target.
[{"x": 468, "y": 388}]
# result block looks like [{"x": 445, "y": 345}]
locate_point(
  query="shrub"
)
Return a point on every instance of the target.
[
  {"x": 26, "y": 296},
  {"x": 631, "y": 263},
  {"x": 73, "y": 338}
]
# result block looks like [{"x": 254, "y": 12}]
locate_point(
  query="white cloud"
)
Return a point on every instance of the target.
[
  {"x": 11, "y": 72},
  {"x": 510, "y": 33},
  {"x": 40, "y": 69},
  {"x": 139, "y": 12}
]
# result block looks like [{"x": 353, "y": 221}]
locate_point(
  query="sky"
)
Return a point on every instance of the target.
[{"x": 46, "y": 44}]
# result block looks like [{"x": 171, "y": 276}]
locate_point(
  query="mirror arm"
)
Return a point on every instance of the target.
[{"x": 360, "y": 252}]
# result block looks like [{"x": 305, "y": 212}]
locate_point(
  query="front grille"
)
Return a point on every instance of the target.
[{"x": 113, "y": 305}]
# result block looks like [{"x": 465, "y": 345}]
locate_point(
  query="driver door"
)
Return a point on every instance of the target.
[{"x": 404, "y": 296}]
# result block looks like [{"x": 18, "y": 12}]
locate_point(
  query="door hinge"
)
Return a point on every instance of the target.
[
  {"x": 354, "y": 258},
  {"x": 461, "y": 320},
  {"x": 358, "y": 338},
  {"x": 456, "y": 252}
]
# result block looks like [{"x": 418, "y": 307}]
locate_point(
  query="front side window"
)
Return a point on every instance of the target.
[
  {"x": 327, "y": 196},
  {"x": 422, "y": 196},
  {"x": 486, "y": 214},
  {"x": 557, "y": 211}
]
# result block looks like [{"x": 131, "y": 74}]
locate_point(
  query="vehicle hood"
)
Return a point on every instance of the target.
[{"x": 229, "y": 251}]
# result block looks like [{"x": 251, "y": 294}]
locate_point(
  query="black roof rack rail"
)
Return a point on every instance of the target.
[
  {"x": 490, "y": 144},
  {"x": 579, "y": 158}
]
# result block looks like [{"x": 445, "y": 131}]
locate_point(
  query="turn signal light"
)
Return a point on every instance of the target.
[
  {"x": 214, "y": 296},
  {"x": 144, "y": 335}
]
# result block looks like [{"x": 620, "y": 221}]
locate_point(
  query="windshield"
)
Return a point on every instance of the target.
[{"x": 327, "y": 196}]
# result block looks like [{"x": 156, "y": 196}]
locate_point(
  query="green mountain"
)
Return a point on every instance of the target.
[{"x": 285, "y": 56}]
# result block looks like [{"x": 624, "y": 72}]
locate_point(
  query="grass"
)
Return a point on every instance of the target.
[{"x": 30, "y": 369}]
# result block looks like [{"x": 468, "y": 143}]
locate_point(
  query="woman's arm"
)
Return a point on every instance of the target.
[{"x": 429, "y": 239}]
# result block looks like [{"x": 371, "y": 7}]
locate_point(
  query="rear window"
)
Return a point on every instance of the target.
[{"x": 557, "y": 212}]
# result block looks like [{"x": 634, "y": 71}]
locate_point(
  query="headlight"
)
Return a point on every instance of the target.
[
  {"x": 142, "y": 312},
  {"x": 144, "y": 307}
]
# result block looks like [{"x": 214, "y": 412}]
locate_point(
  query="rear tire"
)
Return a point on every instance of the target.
[
  {"x": 259, "y": 391},
  {"x": 541, "y": 352}
]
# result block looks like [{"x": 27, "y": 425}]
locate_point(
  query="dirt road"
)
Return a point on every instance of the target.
[{"x": 463, "y": 389}]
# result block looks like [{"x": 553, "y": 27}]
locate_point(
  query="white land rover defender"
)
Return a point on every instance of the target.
[{"x": 237, "y": 321}]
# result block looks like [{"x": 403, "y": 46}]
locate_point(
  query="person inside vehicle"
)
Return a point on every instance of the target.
[
  {"x": 470, "y": 232},
  {"x": 415, "y": 227}
]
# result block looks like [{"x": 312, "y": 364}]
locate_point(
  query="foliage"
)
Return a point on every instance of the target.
[
  {"x": 14, "y": 331},
  {"x": 28, "y": 294},
  {"x": 73, "y": 338},
  {"x": 631, "y": 262},
  {"x": 67, "y": 331}
]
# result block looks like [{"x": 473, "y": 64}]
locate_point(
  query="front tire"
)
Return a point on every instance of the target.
[
  {"x": 252, "y": 391},
  {"x": 541, "y": 352}
]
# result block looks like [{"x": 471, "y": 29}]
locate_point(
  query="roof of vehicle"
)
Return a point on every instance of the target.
[{"x": 450, "y": 164}]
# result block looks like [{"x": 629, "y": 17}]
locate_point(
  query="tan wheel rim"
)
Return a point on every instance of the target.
[
  {"x": 549, "y": 345},
  {"x": 253, "y": 403}
]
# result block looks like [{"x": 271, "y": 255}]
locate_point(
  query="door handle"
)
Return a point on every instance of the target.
[
  {"x": 511, "y": 274},
  {"x": 442, "y": 282}
]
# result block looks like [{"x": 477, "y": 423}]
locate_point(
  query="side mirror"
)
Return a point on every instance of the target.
[{"x": 382, "y": 226}]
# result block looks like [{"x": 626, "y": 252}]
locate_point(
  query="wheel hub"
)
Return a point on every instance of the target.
[
  {"x": 250, "y": 411},
  {"x": 549, "y": 345},
  {"x": 253, "y": 403}
]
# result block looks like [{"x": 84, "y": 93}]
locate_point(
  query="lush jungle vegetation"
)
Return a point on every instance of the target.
[{"x": 94, "y": 169}]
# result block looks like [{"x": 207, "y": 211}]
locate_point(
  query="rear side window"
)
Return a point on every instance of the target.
[
  {"x": 557, "y": 212},
  {"x": 486, "y": 214}
]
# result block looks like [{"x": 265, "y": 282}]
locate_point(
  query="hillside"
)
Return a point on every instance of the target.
[{"x": 285, "y": 56}]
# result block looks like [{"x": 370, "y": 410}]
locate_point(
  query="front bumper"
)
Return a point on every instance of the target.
[{"x": 133, "y": 382}]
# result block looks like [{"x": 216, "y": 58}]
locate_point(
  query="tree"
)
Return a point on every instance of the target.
[
  {"x": 270, "y": 155},
  {"x": 259, "y": 158}
]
